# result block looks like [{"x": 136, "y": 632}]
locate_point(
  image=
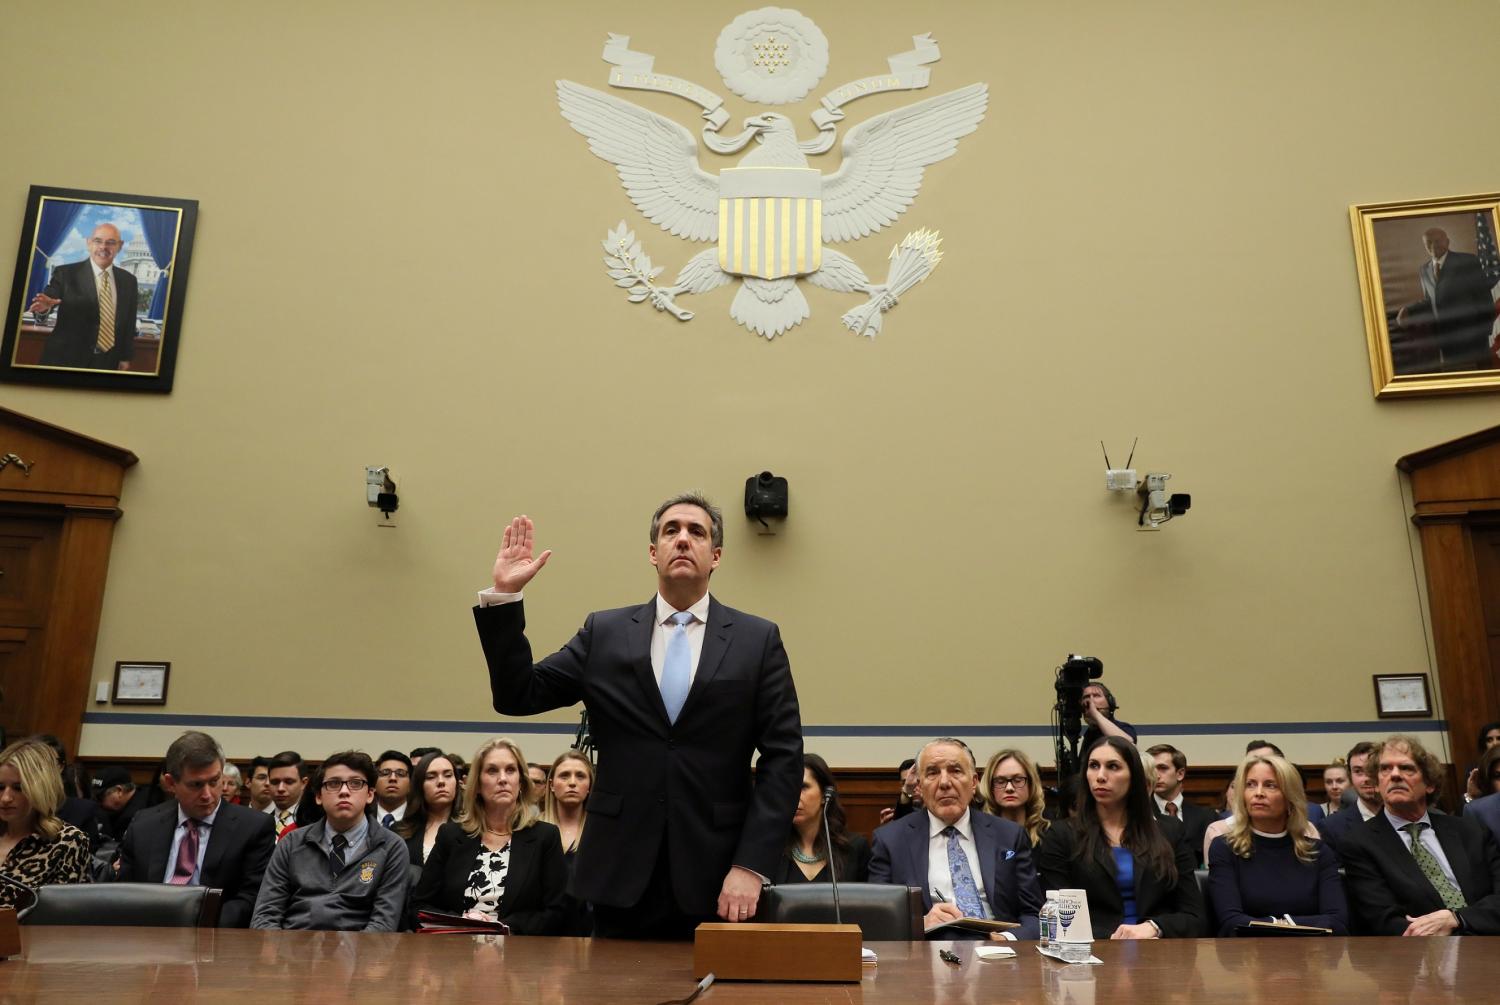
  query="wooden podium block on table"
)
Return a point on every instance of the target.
[{"x": 758, "y": 952}]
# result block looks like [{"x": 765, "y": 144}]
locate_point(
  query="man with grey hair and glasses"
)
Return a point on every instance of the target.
[
  {"x": 196, "y": 838},
  {"x": 681, "y": 691}
]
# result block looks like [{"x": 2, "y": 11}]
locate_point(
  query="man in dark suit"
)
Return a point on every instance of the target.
[
  {"x": 1486, "y": 810},
  {"x": 1457, "y": 302},
  {"x": 1409, "y": 872},
  {"x": 966, "y": 862},
  {"x": 96, "y": 325},
  {"x": 197, "y": 839},
  {"x": 680, "y": 691},
  {"x": 1362, "y": 779},
  {"x": 1171, "y": 771}
]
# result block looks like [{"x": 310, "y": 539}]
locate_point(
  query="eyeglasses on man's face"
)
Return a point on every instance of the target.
[
  {"x": 332, "y": 785},
  {"x": 393, "y": 773}
]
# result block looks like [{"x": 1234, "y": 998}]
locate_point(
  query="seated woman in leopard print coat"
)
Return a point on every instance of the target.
[{"x": 36, "y": 848}]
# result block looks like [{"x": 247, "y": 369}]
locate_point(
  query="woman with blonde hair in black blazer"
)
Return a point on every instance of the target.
[
  {"x": 498, "y": 861},
  {"x": 1013, "y": 790}
]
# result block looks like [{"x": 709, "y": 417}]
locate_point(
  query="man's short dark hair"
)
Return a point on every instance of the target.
[
  {"x": 1360, "y": 749},
  {"x": 192, "y": 750},
  {"x": 288, "y": 759},
  {"x": 421, "y": 752},
  {"x": 394, "y": 755},
  {"x": 715, "y": 517},
  {"x": 355, "y": 759},
  {"x": 1179, "y": 759},
  {"x": 906, "y": 766},
  {"x": 56, "y": 745},
  {"x": 260, "y": 762},
  {"x": 1255, "y": 744}
]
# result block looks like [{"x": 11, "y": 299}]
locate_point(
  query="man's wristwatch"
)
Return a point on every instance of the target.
[{"x": 1155, "y": 926}]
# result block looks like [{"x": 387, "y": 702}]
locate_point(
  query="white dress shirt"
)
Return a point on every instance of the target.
[
  {"x": 1161, "y": 805},
  {"x": 396, "y": 814}
]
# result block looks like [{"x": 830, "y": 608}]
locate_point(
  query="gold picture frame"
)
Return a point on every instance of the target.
[{"x": 1419, "y": 344}]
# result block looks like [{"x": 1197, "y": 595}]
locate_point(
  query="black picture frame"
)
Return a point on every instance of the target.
[
  {"x": 45, "y": 350},
  {"x": 1384, "y": 680},
  {"x": 145, "y": 672}
]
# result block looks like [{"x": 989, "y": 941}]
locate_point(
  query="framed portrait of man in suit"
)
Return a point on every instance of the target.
[
  {"x": 98, "y": 290},
  {"x": 1429, "y": 275}
]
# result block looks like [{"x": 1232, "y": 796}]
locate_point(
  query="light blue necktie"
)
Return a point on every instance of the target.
[
  {"x": 965, "y": 890},
  {"x": 677, "y": 666}
]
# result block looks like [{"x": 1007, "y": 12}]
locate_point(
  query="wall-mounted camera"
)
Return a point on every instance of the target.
[
  {"x": 380, "y": 492},
  {"x": 765, "y": 496},
  {"x": 1157, "y": 507}
]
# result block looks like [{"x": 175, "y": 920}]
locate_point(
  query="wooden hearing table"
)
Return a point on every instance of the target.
[{"x": 159, "y": 965}]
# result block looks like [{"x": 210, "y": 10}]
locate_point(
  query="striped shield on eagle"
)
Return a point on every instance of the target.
[{"x": 770, "y": 221}]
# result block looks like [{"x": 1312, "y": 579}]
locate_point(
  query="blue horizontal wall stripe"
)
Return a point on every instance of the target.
[{"x": 1374, "y": 727}]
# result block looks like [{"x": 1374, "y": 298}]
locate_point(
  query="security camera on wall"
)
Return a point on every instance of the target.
[
  {"x": 1157, "y": 507},
  {"x": 380, "y": 493},
  {"x": 765, "y": 495}
]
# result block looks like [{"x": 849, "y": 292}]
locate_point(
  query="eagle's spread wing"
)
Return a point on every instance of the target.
[
  {"x": 884, "y": 158},
  {"x": 657, "y": 160}
]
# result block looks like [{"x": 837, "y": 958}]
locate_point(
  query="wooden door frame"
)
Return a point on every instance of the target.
[
  {"x": 1455, "y": 489},
  {"x": 76, "y": 479}
]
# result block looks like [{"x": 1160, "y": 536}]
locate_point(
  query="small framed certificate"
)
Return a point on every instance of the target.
[
  {"x": 141, "y": 683},
  {"x": 1402, "y": 696}
]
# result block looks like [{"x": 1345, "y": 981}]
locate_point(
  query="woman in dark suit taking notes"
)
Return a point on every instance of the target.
[
  {"x": 1136, "y": 868},
  {"x": 498, "y": 862}
]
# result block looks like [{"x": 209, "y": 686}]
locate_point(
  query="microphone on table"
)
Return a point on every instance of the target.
[{"x": 833, "y": 873}]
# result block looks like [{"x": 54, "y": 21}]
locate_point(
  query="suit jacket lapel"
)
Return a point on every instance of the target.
[
  {"x": 918, "y": 848},
  {"x": 715, "y": 644},
  {"x": 1458, "y": 859},
  {"x": 160, "y": 849},
  {"x": 640, "y": 657},
  {"x": 219, "y": 837},
  {"x": 987, "y": 844},
  {"x": 1396, "y": 849}
]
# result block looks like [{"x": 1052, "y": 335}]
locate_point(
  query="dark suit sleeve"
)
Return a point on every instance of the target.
[
  {"x": 1185, "y": 919},
  {"x": 778, "y": 773},
  {"x": 131, "y": 855},
  {"x": 1054, "y": 855},
  {"x": 1370, "y": 897},
  {"x": 428, "y": 895},
  {"x": 1333, "y": 905},
  {"x": 517, "y": 685},
  {"x": 1482, "y": 916},
  {"x": 857, "y": 861},
  {"x": 547, "y": 910},
  {"x": 1026, "y": 898},
  {"x": 880, "y": 858},
  {"x": 259, "y": 844}
]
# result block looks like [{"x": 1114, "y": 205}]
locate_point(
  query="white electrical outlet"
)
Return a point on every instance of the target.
[
  {"x": 1120, "y": 480},
  {"x": 101, "y": 692}
]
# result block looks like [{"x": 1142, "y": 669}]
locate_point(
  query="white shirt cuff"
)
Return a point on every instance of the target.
[{"x": 494, "y": 598}]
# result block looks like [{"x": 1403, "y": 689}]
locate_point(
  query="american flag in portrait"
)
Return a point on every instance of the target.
[{"x": 1489, "y": 260}]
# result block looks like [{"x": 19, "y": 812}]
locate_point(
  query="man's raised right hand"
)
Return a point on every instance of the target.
[{"x": 514, "y": 566}]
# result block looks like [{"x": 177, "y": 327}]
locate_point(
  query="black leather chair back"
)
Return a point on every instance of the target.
[
  {"x": 883, "y": 913},
  {"x": 157, "y": 905},
  {"x": 1210, "y": 919}
]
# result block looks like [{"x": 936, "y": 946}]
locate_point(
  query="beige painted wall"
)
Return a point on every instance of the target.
[{"x": 397, "y": 262}]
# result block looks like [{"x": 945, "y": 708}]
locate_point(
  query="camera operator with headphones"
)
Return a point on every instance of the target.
[{"x": 1099, "y": 709}]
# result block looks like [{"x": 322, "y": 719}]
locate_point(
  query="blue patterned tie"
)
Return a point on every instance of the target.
[
  {"x": 965, "y": 890},
  {"x": 677, "y": 666}
]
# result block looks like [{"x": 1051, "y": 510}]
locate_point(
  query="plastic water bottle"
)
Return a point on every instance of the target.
[{"x": 1048, "y": 921}]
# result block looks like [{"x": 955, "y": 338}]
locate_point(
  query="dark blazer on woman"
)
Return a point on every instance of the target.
[
  {"x": 854, "y": 865},
  {"x": 1177, "y": 908},
  {"x": 535, "y": 901}
]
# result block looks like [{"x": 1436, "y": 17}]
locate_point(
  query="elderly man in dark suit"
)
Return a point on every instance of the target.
[
  {"x": 966, "y": 862},
  {"x": 680, "y": 692},
  {"x": 197, "y": 839},
  {"x": 96, "y": 324},
  {"x": 1411, "y": 872},
  {"x": 1457, "y": 302}
]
